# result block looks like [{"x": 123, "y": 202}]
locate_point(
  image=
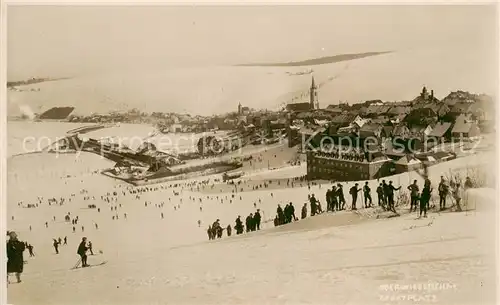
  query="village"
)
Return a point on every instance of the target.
[{"x": 343, "y": 142}]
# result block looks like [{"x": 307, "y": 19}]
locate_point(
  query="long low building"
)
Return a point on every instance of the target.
[{"x": 329, "y": 166}]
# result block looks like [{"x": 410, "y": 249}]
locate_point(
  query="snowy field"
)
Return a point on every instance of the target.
[
  {"x": 344, "y": 258},
  {"x": 207, "y": 90}
]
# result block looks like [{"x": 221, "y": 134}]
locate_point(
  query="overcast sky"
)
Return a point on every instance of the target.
[{"x": 50, "y": 41}]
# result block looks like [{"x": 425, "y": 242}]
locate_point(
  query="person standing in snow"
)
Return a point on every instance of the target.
[
  {"x": 443, "y": 193},
  {"x": 340, "y": 195},
  {"x": 390, "y": 195},
  {"x": 425, "y": 198},
  {"x": 354, "y": 193},
  {"x": 15, "y": 260},
  {"x": 56, "y": 245},
  {"x": 333, "y": 199},
  {"x": 304, "y": 211},
  {"x": 292, "y": 212},
  {"x": 90, "y": 248},
  {"x": 413, "y": 195},
  {"x": 380, "y": 195},
  {"x": 82, "y": 251},
  {"x": 257, "y": 219},
  {"x": 328, "y": 198},
  {"x": 313, "y": 202},
  {"x": 367, "y": 195}
]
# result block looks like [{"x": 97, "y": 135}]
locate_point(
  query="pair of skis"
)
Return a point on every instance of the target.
[{"x": 88, "y": 266}]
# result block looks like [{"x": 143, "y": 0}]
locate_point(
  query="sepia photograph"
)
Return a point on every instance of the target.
[{"x": 247, "y": 153}]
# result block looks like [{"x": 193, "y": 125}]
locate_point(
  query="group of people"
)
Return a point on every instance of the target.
[
  {"x": 444, "y": 190},
  {"x": 252, "y": 223},
  {"x": 58, "y": 242},
  {"x": 286, "y": 215}
]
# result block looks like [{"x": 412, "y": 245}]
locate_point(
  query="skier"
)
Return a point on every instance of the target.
[
  {"x": 390, "y": 195},
  {"x": 292, "y": 212},
  {"x": 248, "y": 222},
  {"x": 219, "y": 231},
  {"x": 30, "y": 249},
  {"x": 328, "y": 200},
  {"x": 413, "y": 195},
  {"x": 90, "y": 248},
  {"x": 333, "y": 199},
  {"x": 228, "y": 229},
  {"x": 354, "y": 193},
  {"x": 239, "y": 226},
  {"x": 82, "y": 251},
  {"x": 313, "y": 202},
  {"x": 257, "y": 219},
  {"x": 56, "y": 245},
  {"x": 425, "y": 198},
  {"x": 65, "y": 240},
  {"x": 340, "y": 195},
  {"x": 380, "y": 195},
  {"x": 209, "y": 233},
  {"x": 367, "y": 194},
  {"x": 281, "y": 215},
  {"x": 443, "y": 192}
]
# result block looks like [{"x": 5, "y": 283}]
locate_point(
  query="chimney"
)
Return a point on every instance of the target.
[{"x": 432, "y": 94}]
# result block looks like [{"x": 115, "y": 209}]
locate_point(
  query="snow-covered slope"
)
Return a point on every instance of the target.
[
  {"x": 207, "y": 90},
  {"x": 339, "y": 257}
]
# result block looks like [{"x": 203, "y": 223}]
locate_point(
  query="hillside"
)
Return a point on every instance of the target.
[
  {"x": 394, "y": 76},
  {"x": 316, "y": 61}
]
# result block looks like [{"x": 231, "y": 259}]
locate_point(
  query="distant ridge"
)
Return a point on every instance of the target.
[
  {"x": 33, "y": 81},
  {"x": 317, "y": 61}
]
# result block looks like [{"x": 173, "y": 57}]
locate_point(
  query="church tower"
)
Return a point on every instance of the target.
[
  {"x": 239, "y": 108},
  {"x": 313, "y": 95}
]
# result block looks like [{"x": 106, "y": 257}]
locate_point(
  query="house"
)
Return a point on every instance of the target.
[
  {"x": 298, "y": 107},
  {"x": 398, "y": 110},
  {"x": 401, "y": 131},
  {"x": 398, "y": 118},
  {"x": 380, "y": 120},
  {"x": 421, "y": 116},
  {"x": 359, "y": 122},
  {"x": 392, "y": 149},
  {"x": 376, "y": 110},
  {"x": 442, "y": 130},
  {"x": 343, "y": 120},
  {"x": 334, "y": 109},
  {"x": 370, "y": 130},
  {"x": 461, "y": 108},
  {"x": 464, "y": 129},
  {"x": 420, "y": 131},
  {"x": 407, "y": 163}
]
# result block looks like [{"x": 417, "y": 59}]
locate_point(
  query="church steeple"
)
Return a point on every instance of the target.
[{"x": 313, "y": 95}]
